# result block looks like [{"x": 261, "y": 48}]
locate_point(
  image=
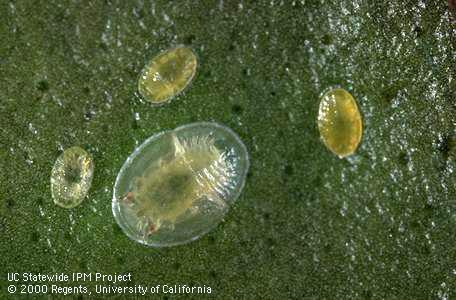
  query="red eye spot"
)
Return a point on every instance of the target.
[
  {"x": 151, "y": 228},
  {"x": 128, "y": 197}
]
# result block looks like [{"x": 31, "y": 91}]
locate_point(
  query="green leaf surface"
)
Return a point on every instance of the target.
[{"x": 379, "y": 224}]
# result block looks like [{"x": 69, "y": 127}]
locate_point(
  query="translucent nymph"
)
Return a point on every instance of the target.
[
  {"x": 339, "y": 122},
  {"x": 179, "y": 184},
  {"x": 167, "y": 74},
  {"x": 71, "y": 177}
]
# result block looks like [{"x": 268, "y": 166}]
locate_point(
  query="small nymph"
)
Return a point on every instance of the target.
[
  {"x": 339, "y": 122},
  {"x": 167, "y": 74},
  {"x": 71, "y": 177}
]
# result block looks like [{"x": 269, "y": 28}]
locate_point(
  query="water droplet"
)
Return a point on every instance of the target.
[
  {"x": 71, "y": 177},
  {"x": 178, "y": 184},
  {"x": 339, "y": 122},
  {"x": 167, "y": 74}
]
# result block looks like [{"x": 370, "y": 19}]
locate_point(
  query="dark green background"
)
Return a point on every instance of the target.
[{"x": 380, "y": 224}]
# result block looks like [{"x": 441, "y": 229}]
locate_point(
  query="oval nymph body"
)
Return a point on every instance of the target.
[
  {"x": 71, "y": 177},
  {"x": 179, "y": 184},
  {"x": 339, "y": 122},
  {"x": 167, "y": 74}
]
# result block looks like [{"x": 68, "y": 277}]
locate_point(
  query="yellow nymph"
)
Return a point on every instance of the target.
[
  {"x": 167, "y": 74},
  {"x": 339, "y": 122}
]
